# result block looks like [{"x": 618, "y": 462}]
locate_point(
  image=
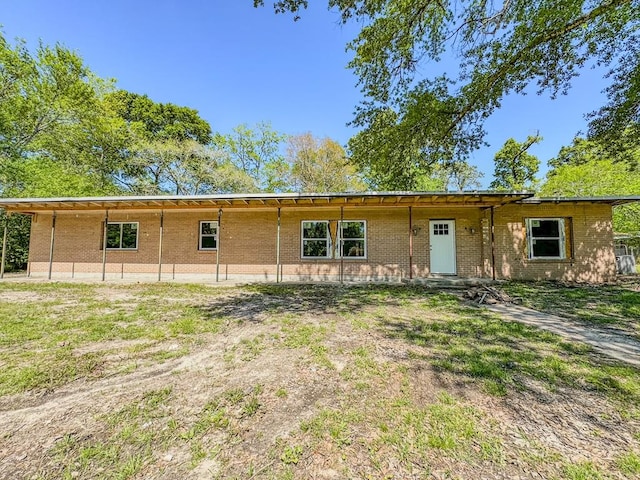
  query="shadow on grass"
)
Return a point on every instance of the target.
[
  {"x": 617, "y": 306},
  {"x": 450, "y": 334},
  {"x": 258, "y": 300},
  {"x": 504, "y": 355}
]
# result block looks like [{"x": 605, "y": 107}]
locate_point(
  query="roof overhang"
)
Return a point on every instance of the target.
[
  {"x": 262, "y": 200},
  {"x": 607, "y": 200}
]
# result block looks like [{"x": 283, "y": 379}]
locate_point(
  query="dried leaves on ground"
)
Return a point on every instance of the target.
[{"x": 292, "y": 381}]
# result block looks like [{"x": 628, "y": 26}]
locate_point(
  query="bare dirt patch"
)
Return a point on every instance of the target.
[{"x": 325, "y": 383}]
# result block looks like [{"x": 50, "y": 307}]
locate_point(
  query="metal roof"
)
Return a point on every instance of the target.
[
  {"x": 609, "y": 200},
  {"x": 262, "y": 200}
]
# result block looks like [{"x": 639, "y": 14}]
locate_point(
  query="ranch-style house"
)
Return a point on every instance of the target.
[{"x": 370, "y": 236}]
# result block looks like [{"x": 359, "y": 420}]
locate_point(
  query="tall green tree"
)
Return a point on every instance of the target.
[
  {"x": 515, "y": 167},
  {"x": 320, "y": 165},
  {"x": 166, "y": 148},
  {"x": 501, "y": 48},
  {"x": 51, "y": 114},
  {"x": 463, "y": 176},
  {"x": 256, "y": 152},
  {"x": 183, "y": 167},
  {"x": 49, "y": 103},
  {"x": 583, "y": 169},
  {"x": 159, "y": 121}
]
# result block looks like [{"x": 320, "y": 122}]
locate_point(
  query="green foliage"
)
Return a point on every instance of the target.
[
  {"x": 18, "y": 229},
  {"x": 320, "y": 165},
  {"x": 463, "y": 176},
  {"x": 399, "y": 146},
  {"x": 586, "y": 169},
  {"x": 40, "y": 95},
  {"x": 182, "y": 167},
  {"x": 159, "y": 121},
  {"x": 50, "y": 108},
  {"x": 256, "y": 153},
  {"x": 501, "y": 47},
  {"x": 515, "y": 168}
]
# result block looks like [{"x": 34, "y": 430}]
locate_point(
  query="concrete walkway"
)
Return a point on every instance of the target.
[{"x": 615, "y": 345}]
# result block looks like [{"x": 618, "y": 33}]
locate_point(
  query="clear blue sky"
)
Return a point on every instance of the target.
[{"x": 237, "y": 64}]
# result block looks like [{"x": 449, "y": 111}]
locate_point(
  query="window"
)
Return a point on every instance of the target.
[
  {"x": 122, "y": 235},
  {"x": 318, "y": 237},
  {"x": 208, "y": 235},
  {"x": 353, "y": 235},
  {"x": 546, "y": 238},
  {"x": 441, "y": 229},
  {"x": 316, "y": 240}
]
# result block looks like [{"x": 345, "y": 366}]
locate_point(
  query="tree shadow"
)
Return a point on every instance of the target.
[
  {"x": 472, "y": 342},
  {"x": 257, "y": 301},
  {"x": 615, "y": 306}
]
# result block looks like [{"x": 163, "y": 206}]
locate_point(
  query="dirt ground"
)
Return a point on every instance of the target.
[{"x": 541, "y": 431}]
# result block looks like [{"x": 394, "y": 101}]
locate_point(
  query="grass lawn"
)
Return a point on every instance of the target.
[
  {"x": 605, "y": 306},
  {"x": 111, "y": 381}
]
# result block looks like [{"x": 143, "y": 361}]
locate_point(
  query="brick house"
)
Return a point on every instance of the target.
[{"x": 364, "y": 236}]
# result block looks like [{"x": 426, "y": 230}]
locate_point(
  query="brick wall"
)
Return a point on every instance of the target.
[
  {"x": 247, "y": 244},
  {"x": 588, "y": 248}
]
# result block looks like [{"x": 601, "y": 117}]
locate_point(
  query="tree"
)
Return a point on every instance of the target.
[
  {"x": 159, "y": 121},
  {"x": 586, "y": 172},
  {"x": 397, "y": 148},
  {"x": 463, "y": 176},
  {"x": 501, "y": 48},
  {"x": 515, "y": 168},
  {"x": 53, "y": 110},
  {"x": 581, "y": 151},
  {"x": 167, "y": 149},
  {"x": 183, "y": 167},
  {"x": 320, "y": 165},
  {"x": 39, "y": 94},
  {"x": 47, "y": 101},
  {"x": 256, "y": 152}
]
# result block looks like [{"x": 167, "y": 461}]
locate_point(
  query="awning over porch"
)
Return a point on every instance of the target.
[{"x": 267, "y": 200}]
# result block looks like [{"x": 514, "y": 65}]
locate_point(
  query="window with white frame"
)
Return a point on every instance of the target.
[
  {"x": 353, "y": 234},
  {"x": 208, "y": 235},
  {"x": 546, "y": 238},
  {"x": 316, "y": 239},
  {"x": 122, "y": 235}
]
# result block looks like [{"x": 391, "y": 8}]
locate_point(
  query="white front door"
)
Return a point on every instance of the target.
[{"x": 442, "y": 246}]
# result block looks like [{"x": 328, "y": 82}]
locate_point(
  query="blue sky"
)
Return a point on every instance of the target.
[{"x": 237, "y": 64}]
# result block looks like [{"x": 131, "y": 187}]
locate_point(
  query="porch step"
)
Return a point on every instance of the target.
[{"x": 448, "y": 282}]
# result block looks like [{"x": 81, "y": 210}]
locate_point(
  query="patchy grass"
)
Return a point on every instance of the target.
[
  {"x": 44, "y": 337},
  {"x": 300, "y": 381},
  {"x": 607, "y": 306},
  {"x": 127, "y": 441},
  {"x": 504, "y": 356}
]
